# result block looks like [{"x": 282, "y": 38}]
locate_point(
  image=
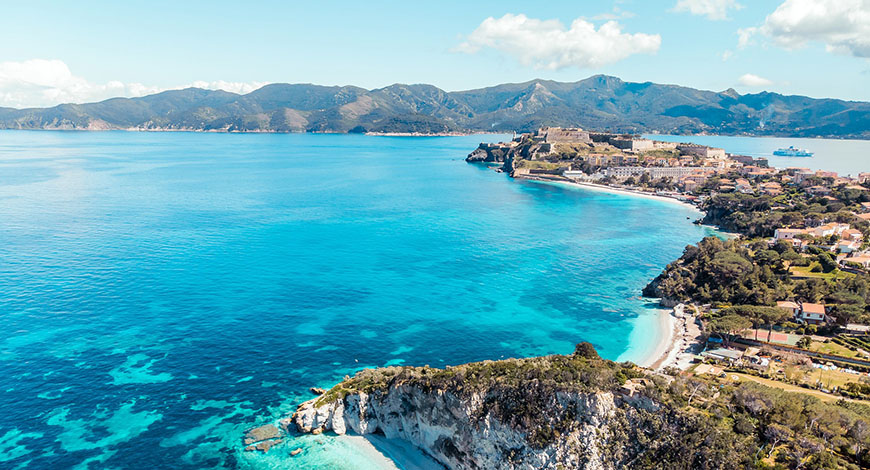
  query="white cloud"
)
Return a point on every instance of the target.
[
  {"x": 744, "y": 36},
  {"x": 727, "y": 55},
  {"x": 40, "y": 82},
  {"x": 616, "y": 14},
  {"x": 547, "y": 44},
  {"x": 754, "y": 81},
  {"x": 712, "y": 9},
  {"x": 843, "y": 26}
]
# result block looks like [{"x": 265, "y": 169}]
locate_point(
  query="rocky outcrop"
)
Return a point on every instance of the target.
[
  {"x": 457, "y": 432},
  {"x": 488, "y": 153},
  {"x": 555, "y": 412}
]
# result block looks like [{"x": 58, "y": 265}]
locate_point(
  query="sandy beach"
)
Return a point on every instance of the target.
[{"x": 678, "y": 348}]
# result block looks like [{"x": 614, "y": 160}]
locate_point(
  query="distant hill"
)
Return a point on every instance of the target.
[{"x": 599, "y": 102}]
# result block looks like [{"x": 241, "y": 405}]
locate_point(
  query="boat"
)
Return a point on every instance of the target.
[{"x": 792, "y": 152}]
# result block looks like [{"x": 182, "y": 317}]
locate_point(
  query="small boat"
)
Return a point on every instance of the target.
[{"x": 792, "y": 152}]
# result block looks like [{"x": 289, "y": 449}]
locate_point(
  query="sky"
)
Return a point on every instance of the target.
[{"x": 55, "y": 52}]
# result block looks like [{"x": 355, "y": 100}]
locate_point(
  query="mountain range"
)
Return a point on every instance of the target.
[{"x": 600, "y": 102}]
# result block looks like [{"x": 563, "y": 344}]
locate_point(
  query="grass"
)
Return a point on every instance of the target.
[
  {"x": 537, "y": 165},
  {"x": 829, "y": 379},
  {"x": 804, "y": 272},
  {"x": 833, "y": 348}
]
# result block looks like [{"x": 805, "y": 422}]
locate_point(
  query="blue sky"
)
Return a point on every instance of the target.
[{"x": 63, "y": 51}]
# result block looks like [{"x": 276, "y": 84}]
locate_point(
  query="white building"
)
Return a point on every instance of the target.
[{"x": 655, "y": 172}]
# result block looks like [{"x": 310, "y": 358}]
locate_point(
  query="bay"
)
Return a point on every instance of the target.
[{"x": 162, "y": 292}]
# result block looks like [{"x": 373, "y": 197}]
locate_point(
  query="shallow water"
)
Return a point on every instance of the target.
[{"x": 162, "y": 292}]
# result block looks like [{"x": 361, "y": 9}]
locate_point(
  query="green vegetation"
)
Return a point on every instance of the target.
[
  {"x": 536, "y": 164},
  {"x": 752, "y": 215},
  {"x": 750, "y": 274},
  {"x": 675, "y": 422}
]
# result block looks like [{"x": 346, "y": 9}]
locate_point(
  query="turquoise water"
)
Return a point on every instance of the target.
[
  {"x": 843, "y": 156},
  {"x": 162, "y": 292}
]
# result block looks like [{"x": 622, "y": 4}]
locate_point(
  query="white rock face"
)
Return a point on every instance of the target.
[{"x": 457, "y": 433}]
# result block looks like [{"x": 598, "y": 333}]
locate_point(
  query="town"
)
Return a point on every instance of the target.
[{"x": 784, "y": 301}]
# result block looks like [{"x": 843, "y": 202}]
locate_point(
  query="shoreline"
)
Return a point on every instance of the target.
[
  {"x": 612, "y": 190},
  {"x": 678, "y": 330},
  {"x": 683, "y": 342}
]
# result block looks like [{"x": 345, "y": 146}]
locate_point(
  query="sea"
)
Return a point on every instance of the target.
[
  {"x": 846, "y": 157},
  {"x": 160, "y": 293}
]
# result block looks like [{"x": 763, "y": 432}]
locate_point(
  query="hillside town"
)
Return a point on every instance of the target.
[{"x": 789, "y": 292}]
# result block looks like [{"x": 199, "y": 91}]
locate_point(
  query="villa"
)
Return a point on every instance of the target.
[
  {"x": 788, "y": 233},
  {"x": 813, "y": 314}
]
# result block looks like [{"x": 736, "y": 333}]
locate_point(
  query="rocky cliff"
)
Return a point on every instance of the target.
[
  {"x": 555, "y": 412},
  {"x": 459, "y": 432},
  {"x": 582, "y": 412}
]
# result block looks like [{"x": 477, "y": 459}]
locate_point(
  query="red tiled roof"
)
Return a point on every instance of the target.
[{"x": 813, "y": 308}]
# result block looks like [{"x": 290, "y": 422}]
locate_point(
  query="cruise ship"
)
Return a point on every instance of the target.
[{"x": 792, "y": 152}]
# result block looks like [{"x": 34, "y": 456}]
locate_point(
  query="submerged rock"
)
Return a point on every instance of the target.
[
  {"x": 296, "y": 451},
  {"x": 263, "y": 438},
  {"x": 262, "y": 433}
]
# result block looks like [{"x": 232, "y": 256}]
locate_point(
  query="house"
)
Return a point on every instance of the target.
[
  {"x": 863, "y": 177},
  {"x": 864, "y": 216},
  {"x": 863, "y": 260},
  {"x": 801, "y": 175},
  {"x": 829, "y": 229},
  {"x": 847, "y": 246},
  {"x": 857, "y": 329},
  {"x": 865, "y": 207},
  {"x": 770, "y": 188},
  {"x": 792, "y": 307},
  {"x": 813, "y": 314},
  {"x": 852, "y": 234},
  {"x": 723, "y": 355},
  {"x": 742, "y": 185},
  {"x": 819, "y": 191},
  {"x": 788, "y": 233}
]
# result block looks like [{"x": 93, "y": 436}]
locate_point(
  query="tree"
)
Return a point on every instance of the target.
[
  {"x": 774, "y": 434},
  {"x": 729, "y": 325},
  {"x": 828, "y": 263},
  {"x": 586, "y": 350}
]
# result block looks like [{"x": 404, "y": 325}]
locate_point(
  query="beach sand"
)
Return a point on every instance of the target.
[
  {"x": 380, "y": 453},
  {"x": 663, "y": 328},
  {"x": 683, "y": 343}
]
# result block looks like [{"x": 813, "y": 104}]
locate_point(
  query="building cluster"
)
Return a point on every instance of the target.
[
  {"x": 627, "y": 156},
  {"x": 842, "y": 239}
]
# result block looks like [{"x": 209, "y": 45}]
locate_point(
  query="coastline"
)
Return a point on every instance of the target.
[
  {"x": 683, "y": 342},
  {"x": 677, "y": 329},
  {"x": 612, "y": 190}
]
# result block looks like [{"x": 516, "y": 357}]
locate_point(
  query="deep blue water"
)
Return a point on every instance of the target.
[{"x": 162, "y": 292}]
